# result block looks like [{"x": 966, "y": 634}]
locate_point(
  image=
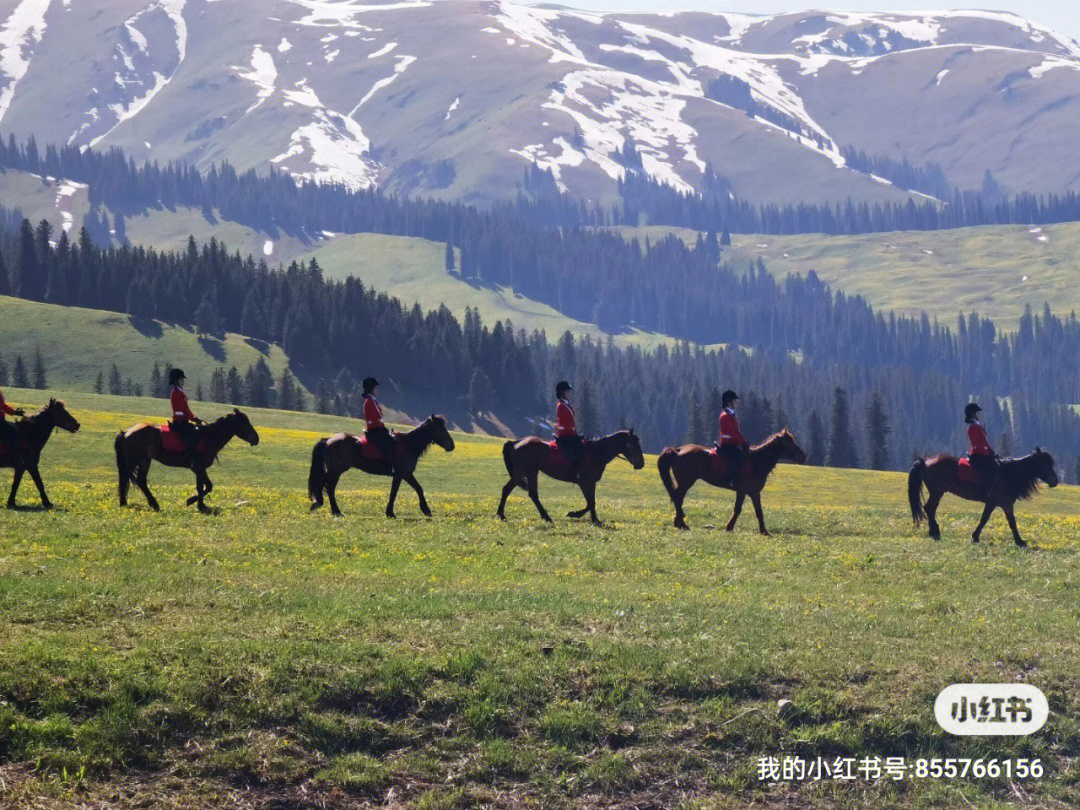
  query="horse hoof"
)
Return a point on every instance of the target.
[
  {"x": 427, "y": 512},
  {"x": 391, "y": 515},
  {"x": 47, "y": 506},
  {"x": 315, "y": 506},
  {"x": 338, "y": 514},
  {"x": 1021, "y": 543}
]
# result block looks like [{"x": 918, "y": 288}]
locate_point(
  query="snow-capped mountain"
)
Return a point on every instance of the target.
[{"x": 457, "y": 97}]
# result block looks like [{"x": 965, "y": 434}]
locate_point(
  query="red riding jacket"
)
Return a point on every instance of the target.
[
  {"x": 729, "y": 429},
  {"x": 372, "y": 413},
  {"x": 979, "y": 445},
  {"x": 181, "y": 411},
  {"x": 5, "y": 409},
  {"x": 565, "y": 423}
]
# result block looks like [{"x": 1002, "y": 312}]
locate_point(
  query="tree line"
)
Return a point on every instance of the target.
[{"x": 795, "y": 343}]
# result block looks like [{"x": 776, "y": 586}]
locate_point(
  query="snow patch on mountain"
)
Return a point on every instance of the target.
[
  {"x": 403, "y": 62},
  {"x": 453, "y": 107},
  {"x": 263, "y": 74},
  {"x": 537, "y": 25},
  {"x": 24, "y": 28},
  {"x": 341, "y": 13},
  {"x": 383, "y": 51},
  {"x": 1049, "y": 63}
]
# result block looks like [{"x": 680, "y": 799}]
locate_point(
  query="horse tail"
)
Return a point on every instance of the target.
[
  {"x": 317, "y": 476},
  {"x": 663, "y": 464},
  {"x": 914, "y": 490},
  {"x": 508, "y": 457},
  {"x": 123, "y": 471}
]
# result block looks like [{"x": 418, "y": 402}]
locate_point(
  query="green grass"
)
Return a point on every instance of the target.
[
  {"x": 995, "y": 270},
  {"x": 76, "y": 344},
  {"x": 266, "y": 654}
]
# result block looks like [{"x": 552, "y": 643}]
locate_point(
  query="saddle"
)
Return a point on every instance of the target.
[
  {"x": 370, "y": 450},
  {"x": 719, "y": 464},
  {"x": 965, "y": 472},
  {"x": 171, "y": 441},
  {"x": 557, "y": 458}
]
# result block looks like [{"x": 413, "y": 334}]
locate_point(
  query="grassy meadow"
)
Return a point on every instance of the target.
[
  {"x": 265, "y": 656},
  {"x": 994, "y": 270}
]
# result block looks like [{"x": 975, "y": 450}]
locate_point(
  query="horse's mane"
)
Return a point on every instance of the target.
[
  {"x": 431, "y": 420},
  {"x": 1023, "y": 483},
  {"x": 34, "y": 418},
  {"x": 771, "y": 440}
]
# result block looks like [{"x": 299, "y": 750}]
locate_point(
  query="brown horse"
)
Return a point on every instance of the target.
[
  {"x": 1017, "y": 480},
  {"x": 34, "y": 432},
  {"x": 692, "y": 461},
  {"x": 526, "y": 459},
  {"x": 333, "y": 456},
  {"x": 138, "y": 446}
]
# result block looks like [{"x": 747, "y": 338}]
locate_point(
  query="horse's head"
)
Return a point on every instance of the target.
[
  {"x": 1044, "y": 467},
  {"x": 440, "y": 435},
  {"x": 630, "y": 447},
  {"x": 244, "y": 428},
  {"x": 58, "y": 413},
  {"x": 789, "y": 448}
]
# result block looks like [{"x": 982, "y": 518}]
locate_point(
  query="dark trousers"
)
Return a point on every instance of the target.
[
  {"x": 9, "y": 435},
  {"x": 188, "y": 433},
  {"x": 985, "y": 468},
  {"x": 733, "y": 455},
  {"x": 573, "y": 447},
  {"x": 382, "y": 439}
]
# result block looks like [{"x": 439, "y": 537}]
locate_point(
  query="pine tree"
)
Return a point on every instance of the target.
[
  {"x": 322, "y": 397},
  {"x": 817, "y": 441},
  {"x": 1004, "y": 444},
  {"x": 449, "y": 257},
  {"x": 234, "y": 387},
  {"x": 696, "y": 432},
  {"x": 27, "y": 270},
  {"x": 259, "y": 382},
  {"x": 5, "y": 279},
  {"x": 40, "y": 382},
  {"x": 286, "y": 390},
  {"x": 588, "y": 415},
  {"x": 479, "y": 392},
  {"x": 156, "y": 383},
  {"x": 877, "y": 434},
  {"x": 99, "y": 383},
  {"x": 217, "y": 385},
  {"x": 116, "y": 385},
  {"x": 3, "y": 372},
  {"x": 207, "y": 321},
  {"x": 841, "y": 447},
  {"x": 20, "y": 378},
  {"x": 725, "y": 237}
]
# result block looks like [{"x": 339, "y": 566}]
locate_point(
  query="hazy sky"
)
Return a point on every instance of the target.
[{"x": 1061, "y": 15}]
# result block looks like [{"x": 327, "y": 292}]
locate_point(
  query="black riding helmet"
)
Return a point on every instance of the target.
[
  {"x": 176, "y": 375},
  {"x": 727, "y": 398},
  {"x": 970, "y": 410},
  {"x": 369, "y": 384},
  {"x": 562, "y": 387}
]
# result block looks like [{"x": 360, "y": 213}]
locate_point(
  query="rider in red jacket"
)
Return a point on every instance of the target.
[
  {"x": 182, "y": 421},
  {"x": 566, "y": 436},
  {"x": 376, "y": 432},
  {"x": 981, "y": 455},
  {"x": 9, "y": 434},
  {"x": 733, "y": 447}
]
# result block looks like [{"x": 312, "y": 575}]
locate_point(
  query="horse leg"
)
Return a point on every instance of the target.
[
  {"x": 15, "y": 481},
  {"x": 740, "y": 496},
  {"x": 678, "y": 496},
  {"x": 411, "y": 479},
  {"x": 932, "y": 502},
  {"x": 535, "y": 496},
  {"x": 141, "y": 483},
  {"x": 202, "y": 488},
  {"x": 393, "y": 496},
  {"x": 576, "y": 513},
  {"x": 506, "y": 490},
  {"x": 36, "y": 476},
  {"x": 1009, "y": 516},
  {"x": 588, "y": 489},
  {"x": 331, "y": 493},
  {"x": 987, "y": 511},
  {"x": 755, "y": 498}
]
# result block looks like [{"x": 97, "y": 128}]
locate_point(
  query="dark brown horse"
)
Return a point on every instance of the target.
[
  {"x": 526, "y": 459},
  {"x": 138, "y": 446},
  {"x": 333, "y": 456},
  {"x": 1017, "y": 480},
  {"x": 34, "y": 432},
  {"x": 681, "y": 467}
]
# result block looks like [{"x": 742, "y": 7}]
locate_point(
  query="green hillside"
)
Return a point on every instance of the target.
[
  {"x": 76, "y": 344},
  {"x": 994, "y": 269}
]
